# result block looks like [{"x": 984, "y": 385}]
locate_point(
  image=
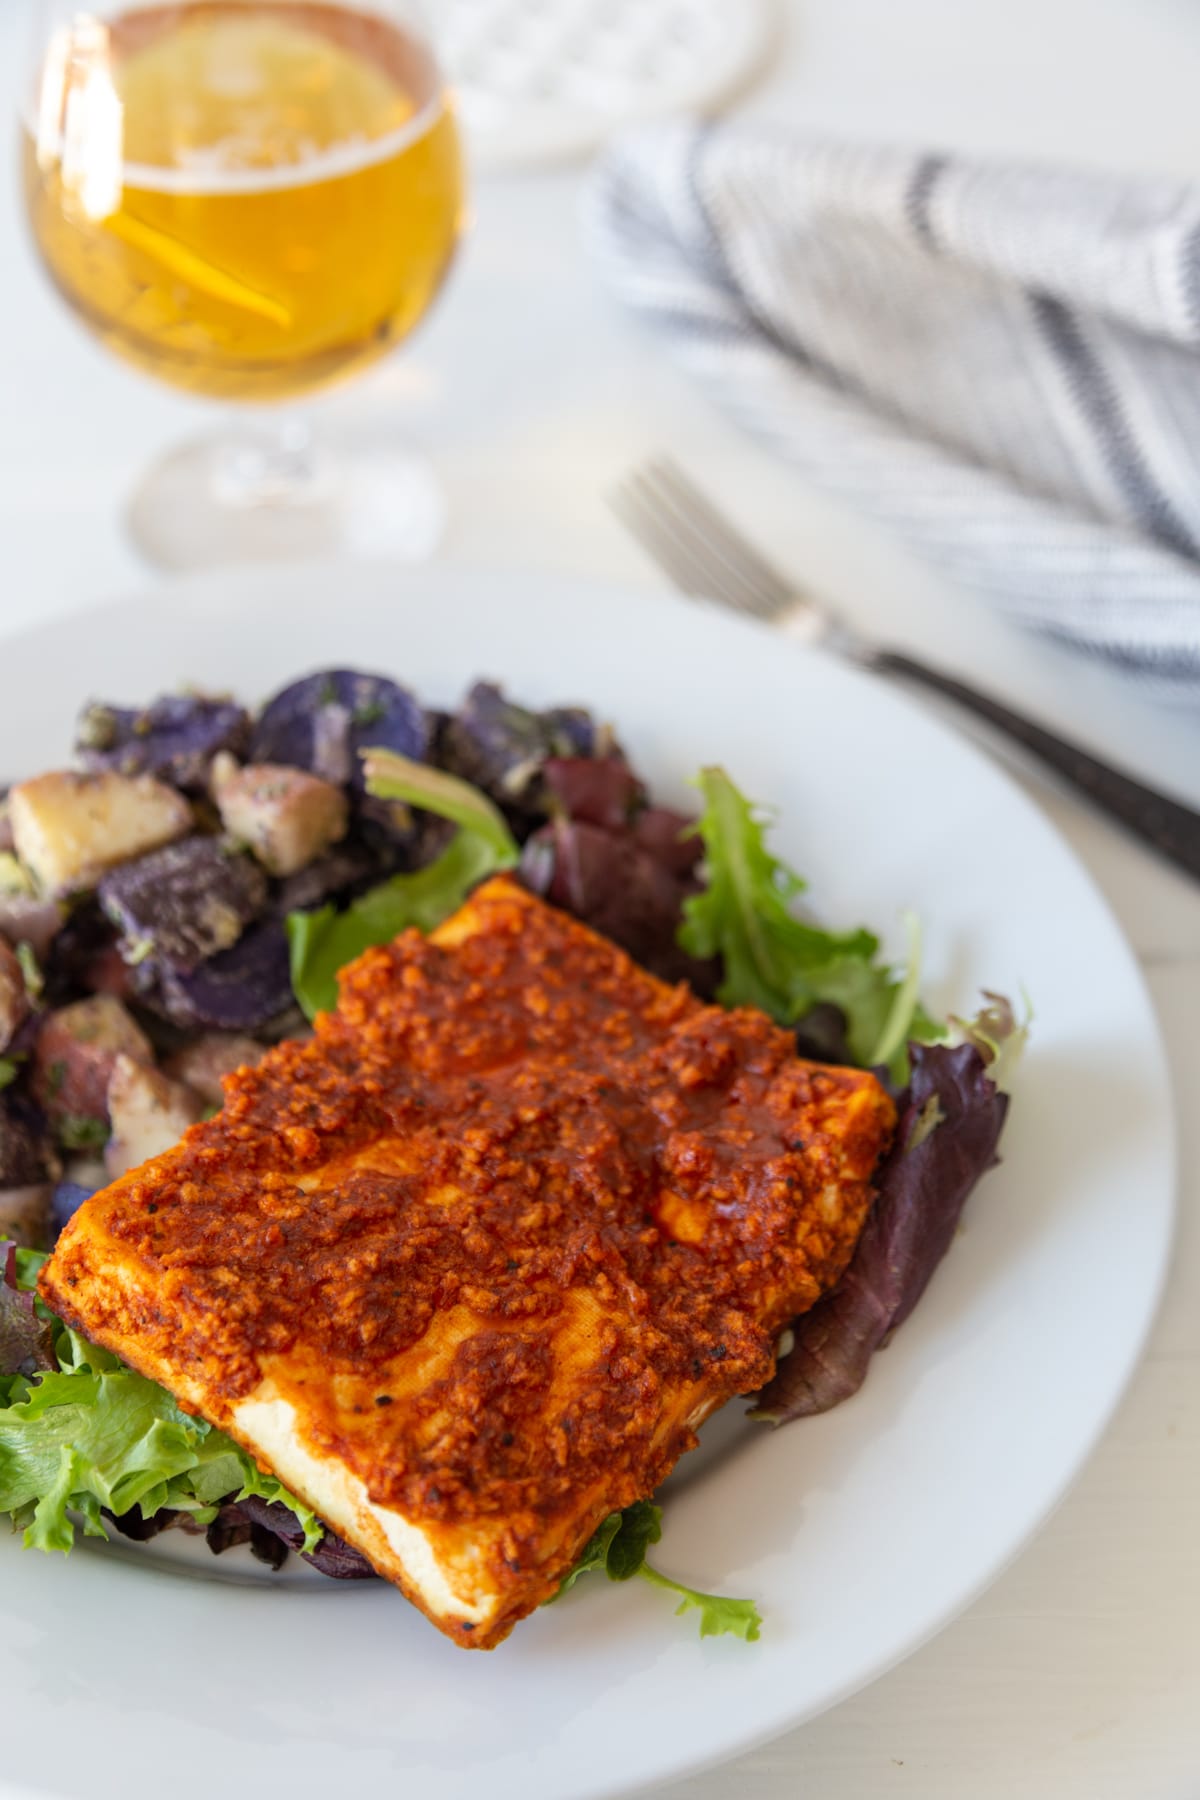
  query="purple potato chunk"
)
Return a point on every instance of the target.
[
  {"x": 86, "y": 935},
  {"x": 185, "y": 903},
  {"x": 503, "y": 748},
  {"x": 338, "y": 875},
  {"x": 323, "y": 723},
  {"x": 243, "y": 989},
  {"x": 176, "y": 739},
  {"x": 65, "y": 1202}
]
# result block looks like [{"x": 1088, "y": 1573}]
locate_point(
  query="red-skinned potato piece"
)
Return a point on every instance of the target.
[
  {"x": 24, "y": 919},
  {"x": 204, "y": 1064},
  {"x": 75, "y": 1054},
  {"x": 25, "y": 1216}
]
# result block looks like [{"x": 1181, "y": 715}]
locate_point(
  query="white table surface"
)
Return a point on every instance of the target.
[{"x": 1077, "y": 1676}]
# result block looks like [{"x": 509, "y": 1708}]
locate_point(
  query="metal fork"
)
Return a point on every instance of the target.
[{"x": 704, "y": 555}]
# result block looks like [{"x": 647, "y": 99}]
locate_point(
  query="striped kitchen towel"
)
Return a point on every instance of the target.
[{"x": 1000, "y": 363}]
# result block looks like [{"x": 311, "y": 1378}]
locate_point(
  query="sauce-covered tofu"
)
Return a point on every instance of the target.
[{"x": 468, "y": 1269}]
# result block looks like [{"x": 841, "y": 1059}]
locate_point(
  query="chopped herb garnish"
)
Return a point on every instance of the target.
[
  {"x": 78, "y": 1132},
  {"x": 31, "y": 971}
]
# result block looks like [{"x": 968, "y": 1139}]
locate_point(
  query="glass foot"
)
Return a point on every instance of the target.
[{"x": 273, "y": 496}]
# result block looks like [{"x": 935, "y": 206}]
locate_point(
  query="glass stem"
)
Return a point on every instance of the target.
[{"x": 275, "y": 463}]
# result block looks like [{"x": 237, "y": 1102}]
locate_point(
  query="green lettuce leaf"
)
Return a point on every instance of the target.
[
  {"x": 640, "y": 1526},
  {"x": 595, "y": 1552},
  {"x": 719, "y": 1615},
  {"x": 781, "y": 963},
  {"x": 323, "y": 942},
  {"x": 618, "y": 1546},
  {"x": 393, "y": 777},
  {"x": 93, "y": 1434},
  {"x": 9, "y": 1071}
]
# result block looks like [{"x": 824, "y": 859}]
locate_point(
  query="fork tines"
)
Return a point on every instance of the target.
[{"x": 695, "y": 545}]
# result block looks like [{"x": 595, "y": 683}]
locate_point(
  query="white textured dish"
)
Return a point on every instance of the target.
[
  {"x": 860, "y": 1534},
  {"x": 538, "y": 81}
]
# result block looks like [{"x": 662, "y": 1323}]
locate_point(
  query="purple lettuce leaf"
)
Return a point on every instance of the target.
[
  {"x": 613, "y": 883},
  {"x": 332, "y": 1556},
  {"x": 593, "y": 790},
  {"x": 620, "y": 866},
  {"x": 140, "y": 1531},
  {"x": 950, "y": 1120},
  {"x": 26, "y": 1342}
]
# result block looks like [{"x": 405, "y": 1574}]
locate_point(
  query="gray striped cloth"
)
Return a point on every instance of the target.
[{"x": 999, "y": 363}]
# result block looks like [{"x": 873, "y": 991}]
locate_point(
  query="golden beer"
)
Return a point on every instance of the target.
[{"x": 247, "y": 199}]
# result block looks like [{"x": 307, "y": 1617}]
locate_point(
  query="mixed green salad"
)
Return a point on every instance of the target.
[{"x": 186, "y": 895}]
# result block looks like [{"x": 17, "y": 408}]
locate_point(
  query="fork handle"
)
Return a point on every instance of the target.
[{"x": 1165, "y": 824}]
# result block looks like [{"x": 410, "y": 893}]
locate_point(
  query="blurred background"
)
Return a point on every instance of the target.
[{"x": 528, "y": 387}]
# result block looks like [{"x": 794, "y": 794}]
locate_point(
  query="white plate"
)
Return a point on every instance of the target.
[{"x": 860, "y": 1533}]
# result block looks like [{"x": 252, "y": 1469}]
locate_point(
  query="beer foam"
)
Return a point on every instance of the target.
[{"x": 216, "y": 170}]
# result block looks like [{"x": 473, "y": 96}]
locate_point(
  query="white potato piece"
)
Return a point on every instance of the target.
[
  {"x": 69, "y": 828},
  {"x": 285, "y": 816},
  {"x": 149, "y": 1114}
]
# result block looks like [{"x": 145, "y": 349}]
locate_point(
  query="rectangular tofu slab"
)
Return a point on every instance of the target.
[{"x": 467, "y": 1269}]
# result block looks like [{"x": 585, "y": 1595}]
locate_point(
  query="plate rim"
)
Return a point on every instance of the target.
[{"x": 271, "y": 581}]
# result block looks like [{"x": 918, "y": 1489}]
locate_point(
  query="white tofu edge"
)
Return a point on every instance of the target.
[{"x": 270, "y": 1424}]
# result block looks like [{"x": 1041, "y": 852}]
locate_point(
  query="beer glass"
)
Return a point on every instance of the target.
[{"x": 248, "y": 199}]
